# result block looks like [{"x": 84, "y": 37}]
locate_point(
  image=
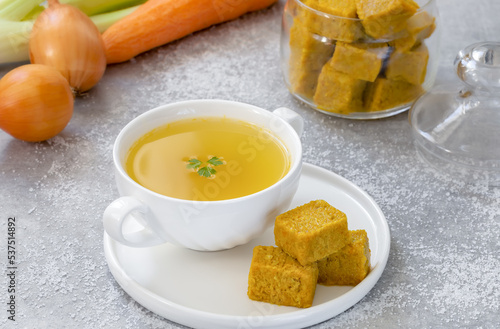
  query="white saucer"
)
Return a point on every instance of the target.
[{"x": 209, "y": 289}]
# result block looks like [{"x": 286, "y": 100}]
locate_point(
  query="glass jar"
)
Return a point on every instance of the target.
[
  {"x": 456, "y": 127},
  {"x": 359, "y": 59}
]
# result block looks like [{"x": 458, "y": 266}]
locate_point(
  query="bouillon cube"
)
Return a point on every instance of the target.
[{"x": 207, "y": 159}]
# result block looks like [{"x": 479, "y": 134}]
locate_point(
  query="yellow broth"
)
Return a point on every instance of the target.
[{"x": 252, "y": 159}]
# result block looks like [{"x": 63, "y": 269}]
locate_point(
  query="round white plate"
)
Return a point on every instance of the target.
[{"x": 209, "y": 289}]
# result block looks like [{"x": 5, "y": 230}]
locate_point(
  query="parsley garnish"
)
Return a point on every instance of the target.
[
  {"x": 207, "y": 170},
  {"x": 194, "y": 164},
  {"x": 215, "y": 161}
]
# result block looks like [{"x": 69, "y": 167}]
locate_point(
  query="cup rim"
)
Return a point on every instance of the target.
[
  {"x": 354, "y": 19},
  {"x": 120, "y": 169}
]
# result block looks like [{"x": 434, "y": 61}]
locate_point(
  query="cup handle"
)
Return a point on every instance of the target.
[
  {"x": 121, "y": 209},
  {"x": 292, "y": 117}
]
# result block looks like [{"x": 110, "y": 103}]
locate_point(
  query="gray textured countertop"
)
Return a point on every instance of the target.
[{"x": 444, "y": 266}]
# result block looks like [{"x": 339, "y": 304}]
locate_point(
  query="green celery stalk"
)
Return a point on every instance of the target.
[
  {"x": 33, "y": 14},
  {"x": 103, "y": 21},
  {"x": 15, "y": 10},
  {"x": 14, "y": 41},
  {"x": 95, "y": 7}
]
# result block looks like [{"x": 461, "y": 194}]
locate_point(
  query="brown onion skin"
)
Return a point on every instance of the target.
[
  {"x": 65, "y": 38},
  {"x": 36, "y": 102}
]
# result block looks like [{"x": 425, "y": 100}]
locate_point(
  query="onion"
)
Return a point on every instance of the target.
[
  {"x": 65, "y": 38},
  {"x": 36, "y": 102}
]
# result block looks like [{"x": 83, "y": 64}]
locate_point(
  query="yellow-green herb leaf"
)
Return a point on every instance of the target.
[
  {"x": 206, "y": 171},
  {"x": 215, "y": 161},
  {"x": 194, "y": 164}
]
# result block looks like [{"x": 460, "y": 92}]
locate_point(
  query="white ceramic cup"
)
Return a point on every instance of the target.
[{"x": 143, "y": 218}]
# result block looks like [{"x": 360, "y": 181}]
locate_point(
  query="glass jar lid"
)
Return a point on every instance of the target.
[{"x": 457, "y": 128}]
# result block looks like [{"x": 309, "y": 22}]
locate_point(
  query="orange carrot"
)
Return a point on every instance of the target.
[{"x": 158, "y": 22}]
